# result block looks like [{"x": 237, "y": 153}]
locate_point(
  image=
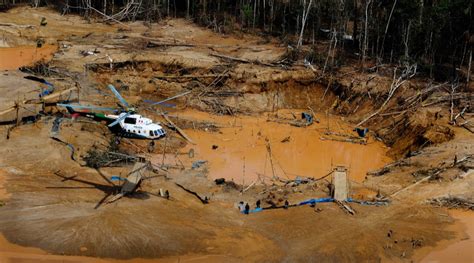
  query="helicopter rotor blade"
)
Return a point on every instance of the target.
[
  {"x": 119, "y": 119},
  {"x": 85, "y": 107},
  {"x": 162, "y": 104},
  {"x": 171, "y": 98},
  {"x": 117, "y": 94}
]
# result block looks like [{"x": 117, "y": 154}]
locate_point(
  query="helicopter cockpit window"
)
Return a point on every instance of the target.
[
  {"x": 151, "y": 133},
  {"x": 130, "y": 120}
]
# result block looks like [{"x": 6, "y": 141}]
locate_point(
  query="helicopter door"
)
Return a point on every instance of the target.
[{"x": 130, "y": 120}]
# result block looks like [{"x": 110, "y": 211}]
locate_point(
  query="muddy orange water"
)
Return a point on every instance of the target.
[
  {"x": 461, "y": 251},
  {"x": 242, "y": 153},
  {"x": 15, "y": 57}
]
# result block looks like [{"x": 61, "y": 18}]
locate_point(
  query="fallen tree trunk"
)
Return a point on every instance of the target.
[
  {"x": 203, "y": 200},
  {"x": 245, "y": 61},
  {"x": 181, "y": 132},
  {"x": 470, "y": 129},
  {"x": 410, "y": 186},
  {"x": 386, "y": 168},
  {"x": 189, "y": 76},
  {"x": 152, "y": 44}
]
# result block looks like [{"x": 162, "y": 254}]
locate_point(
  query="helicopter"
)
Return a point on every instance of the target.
[{"x": 124, "y": 122}]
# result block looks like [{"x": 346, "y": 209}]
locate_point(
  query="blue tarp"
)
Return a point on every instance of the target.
[
  {"x": 362, "y": 132},
  {"x": 308, "y": 117},
  {"x": 117, "y": 178},
  {"x": 317, "y": 200},
  {"x": 56, "y": 124},
  {"x": 259, "y": 209},
  {"x": 47, "y": 91},
  {"x": 198, "y": 164}
]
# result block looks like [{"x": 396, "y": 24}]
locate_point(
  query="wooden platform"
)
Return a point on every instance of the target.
[
  {"x": 341, "y": 184},
  {"x": 131, "y": 183},
  {"x": 134, "y": 178}
]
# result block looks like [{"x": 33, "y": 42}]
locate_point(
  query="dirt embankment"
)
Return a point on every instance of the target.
[
  {"x": 152, "y": 62},
  {"x": 412, "y": 119}
]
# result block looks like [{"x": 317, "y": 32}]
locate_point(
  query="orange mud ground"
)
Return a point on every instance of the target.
[
  {"x": 242, "y": 149},
  {"x": 3, "y": 192},
  {"x": 39, "y": 213},
  {"x": 15, "y": 57},
  {"x": 11, "y": 253},
  {"x": 462, "y": 251}
]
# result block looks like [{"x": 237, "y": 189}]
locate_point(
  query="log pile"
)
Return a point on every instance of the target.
[
  {"x": 453, "y": 202},
  {"x": 387, "y": 168}
]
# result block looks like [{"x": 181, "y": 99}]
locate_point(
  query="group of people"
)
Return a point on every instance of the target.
[
  {"x": 246, "y": 208},
  {"x": 165, "y": 194}
]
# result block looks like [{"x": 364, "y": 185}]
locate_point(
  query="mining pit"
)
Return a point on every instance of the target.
[{"x": 242, "y": 121}]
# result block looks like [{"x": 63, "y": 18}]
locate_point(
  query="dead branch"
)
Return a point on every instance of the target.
[
  {"x": 412, "y": 185},
  {"x": 106, "y": 16},
  {"x": 386, "y": 168},
  {"x": 345, "y": 207},
  {"x": 408, "y": 73}
]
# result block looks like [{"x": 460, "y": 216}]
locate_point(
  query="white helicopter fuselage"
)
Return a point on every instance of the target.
[{"x": 136, "y": 126}]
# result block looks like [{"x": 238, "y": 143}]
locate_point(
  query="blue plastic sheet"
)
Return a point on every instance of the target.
[
  {"x": 256, "y": 210},
  {"x": 308, "y": 117},
  {"x": 116, "y": 178},
  {"x": 317, "y": 200},
  {"x": 198, "y": 164},
  {"x": 362, "y": 132},
  {"x": 47, "y": 91}
]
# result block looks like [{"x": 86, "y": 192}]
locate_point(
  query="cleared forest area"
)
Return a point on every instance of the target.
[
  {"x": 295, "y": 131},
  {"x": 437, "y": 35}
]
